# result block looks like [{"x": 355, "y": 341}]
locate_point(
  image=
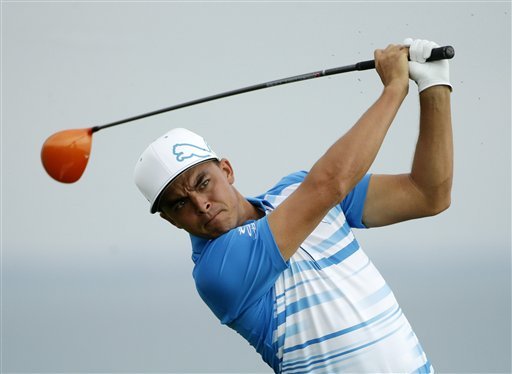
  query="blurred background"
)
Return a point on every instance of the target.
[{"x": 91, "y": 282}]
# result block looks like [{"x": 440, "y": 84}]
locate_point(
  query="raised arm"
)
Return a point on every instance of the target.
[
  {"x": 335, "y": 174},
  {"x": 426, "y": 190}
]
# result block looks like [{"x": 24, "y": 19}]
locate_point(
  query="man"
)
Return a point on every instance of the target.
[{"x": 284, "y": 269}]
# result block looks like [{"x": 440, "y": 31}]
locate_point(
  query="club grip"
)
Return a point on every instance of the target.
[{"x": 440, "y": 53}]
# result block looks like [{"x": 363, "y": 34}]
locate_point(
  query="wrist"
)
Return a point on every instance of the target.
[
  {"x": 396, "y": 90},
  {"x": 435, "y": 98},
  {"x": 436, "y": 91}
]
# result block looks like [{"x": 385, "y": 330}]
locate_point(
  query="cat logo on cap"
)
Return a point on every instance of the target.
[{"x": 183, "y": 151}]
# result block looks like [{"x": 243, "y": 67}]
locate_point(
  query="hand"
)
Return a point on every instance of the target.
[
  {"x": 391, "y": 64},
  {"x": 426, "y": 74}
]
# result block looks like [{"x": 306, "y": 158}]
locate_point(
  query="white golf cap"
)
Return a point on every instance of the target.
[{"x": 166, "y": 158}]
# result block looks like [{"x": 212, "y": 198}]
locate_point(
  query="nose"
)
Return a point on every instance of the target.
[{"x": 201, "y": 203}]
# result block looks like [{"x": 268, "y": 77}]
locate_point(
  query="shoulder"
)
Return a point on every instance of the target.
[
  {"x": 237, "y": 268},
  {"x": 287, "y": 181},
  {"x": 235, "y": 245}
]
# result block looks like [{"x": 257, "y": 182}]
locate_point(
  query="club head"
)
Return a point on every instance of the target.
[{"x": 65, "y": 154}]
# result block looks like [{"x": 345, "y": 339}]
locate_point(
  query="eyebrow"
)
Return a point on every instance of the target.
[{"x": 198, "y": 179}]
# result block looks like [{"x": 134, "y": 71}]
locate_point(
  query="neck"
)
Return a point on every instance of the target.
[{"x": 248, "y": 211}]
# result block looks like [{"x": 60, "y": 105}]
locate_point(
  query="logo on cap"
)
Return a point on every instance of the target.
[{"x": 184, "y": 151}]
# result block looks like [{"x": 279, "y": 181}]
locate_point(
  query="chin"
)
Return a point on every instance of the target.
[
  {"x": 209, "y": 235},
  {"x": 218, "y": 231}
]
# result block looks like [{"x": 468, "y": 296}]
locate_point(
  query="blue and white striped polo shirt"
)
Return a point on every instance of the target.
[{"x": 326, "y": 310}]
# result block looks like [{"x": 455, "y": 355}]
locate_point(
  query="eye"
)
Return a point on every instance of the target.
[
  {"x": 178, "y": 205},
  {"x": 204, "y": 184}
]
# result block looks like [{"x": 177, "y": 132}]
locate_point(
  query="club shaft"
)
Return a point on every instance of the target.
[{"x": 440, "y": 53}]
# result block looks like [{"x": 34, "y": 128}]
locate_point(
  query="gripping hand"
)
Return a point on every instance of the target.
[{"x": 426, "y": 74}]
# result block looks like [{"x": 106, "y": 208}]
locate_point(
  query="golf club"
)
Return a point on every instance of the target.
[{"x": 65, "y": 154}]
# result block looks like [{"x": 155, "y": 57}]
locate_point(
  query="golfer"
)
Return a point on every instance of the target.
[{"x": 284, "y": 269}]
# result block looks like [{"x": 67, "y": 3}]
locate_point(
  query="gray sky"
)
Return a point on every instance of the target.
[{"x": 91, "y": 282}]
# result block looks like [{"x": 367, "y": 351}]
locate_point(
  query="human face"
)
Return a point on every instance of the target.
[{"x": 202, "y": 200}]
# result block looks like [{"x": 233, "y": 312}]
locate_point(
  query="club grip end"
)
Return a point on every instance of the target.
[{"x": 442, "y": 53}]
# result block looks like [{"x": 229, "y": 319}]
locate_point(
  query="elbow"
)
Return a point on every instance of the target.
[
  {"x": 326, "y": 188},
  {"x": 439, "y": 207},
  {"x": 332, "y": 182},
  {"x": 433, "y": 199},
  {"x": 438, "y": 203}
]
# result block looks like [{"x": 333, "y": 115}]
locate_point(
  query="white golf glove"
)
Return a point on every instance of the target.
[{"x": 426, "y": 74}]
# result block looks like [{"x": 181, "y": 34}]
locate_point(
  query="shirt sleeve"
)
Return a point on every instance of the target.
[
  {"x": 238, "y": 268},
  {"x": 353, "y": 203}
]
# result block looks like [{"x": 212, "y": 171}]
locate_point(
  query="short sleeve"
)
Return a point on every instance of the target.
[
  {"x": 353, "y": 203},
  {"x": 238, "y": 268}
]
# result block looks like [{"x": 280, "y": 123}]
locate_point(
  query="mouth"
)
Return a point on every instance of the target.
[{"x": 212, "y": 218}]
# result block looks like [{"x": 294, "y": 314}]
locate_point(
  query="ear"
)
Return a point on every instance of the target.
[
  {"x": 169, "y": 219},
  {"x": 227, "y": 169}
]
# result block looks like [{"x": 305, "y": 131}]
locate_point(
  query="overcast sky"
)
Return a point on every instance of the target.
[{"x": 91, "y": 282}]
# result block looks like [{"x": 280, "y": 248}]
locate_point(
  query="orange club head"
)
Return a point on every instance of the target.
[{"x": 65, "y": 154}]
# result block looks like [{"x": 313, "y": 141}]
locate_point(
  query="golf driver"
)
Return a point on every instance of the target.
[{"x": 65, "y": 154}]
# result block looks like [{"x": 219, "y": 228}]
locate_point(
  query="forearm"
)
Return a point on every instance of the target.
[
  {"x": 432, "y": 169},
  {"x": 349, "y": 158}
]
